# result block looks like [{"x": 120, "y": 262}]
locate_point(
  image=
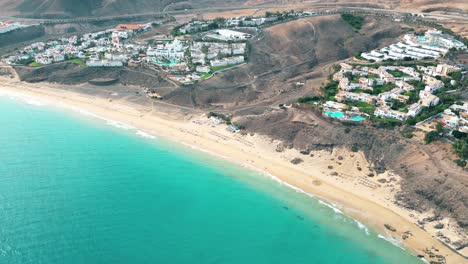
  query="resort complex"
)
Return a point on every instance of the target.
[
  {"x": 193, "y": 52},
  {"x": 184, "y": 60},
  {"x": 391, "y": 92},
  {"x": 430, "y": 45}
]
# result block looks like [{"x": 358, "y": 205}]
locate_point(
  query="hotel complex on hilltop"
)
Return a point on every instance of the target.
[
  {"x": 433, "y": 44},
  {"x": 395, "y": 92}
]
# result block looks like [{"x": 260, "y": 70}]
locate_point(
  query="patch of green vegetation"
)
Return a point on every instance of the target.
[
  {"x": 397, "y": 73},
  {"x": 355, "y": 21},
  {"x": 381, "y": 89},
  {"x": 397, "y": 105},
  {"x": 386, "y": 122},
  {"x": 461, "y": 163},
  {"x": 431, "y": 137},
  {"x": 363, "y": 107},
  {"x": 80, "y": 62},
  {"x": 448, "y": 83},
  {"x": 408, "y": 135},
  {"x": 176, "y": 31},
  {"x": 220, "y": 68},
  {"x": 206, "y": 75},
  {"x": 456, "y": 75},
  {"x": 36, "y": 64},
  {"x": 331, "y": 89},
  {"x": 446, "y": 100},
  {"x": 460, "y": 147},
  {"x": 227, "y": 119},
  {"x": 460, "y": 135},
  {"x": 309, "y": 99}
]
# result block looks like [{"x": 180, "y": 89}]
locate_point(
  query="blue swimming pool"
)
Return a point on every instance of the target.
[
  {"x": 357, "y": 118},
  {"x": 340, "y": 115},
  {"x": 337, "y": 114}
]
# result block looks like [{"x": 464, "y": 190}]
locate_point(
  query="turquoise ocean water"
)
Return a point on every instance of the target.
[{"x": 74, "y": 189}]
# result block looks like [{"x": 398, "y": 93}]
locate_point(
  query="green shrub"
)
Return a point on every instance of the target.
[
  {"x": 431, "y": 137},
  {"x": 308, "y": 99},
  {"x": 460, "y": 163},
  {"x": 355, "y": 21}
]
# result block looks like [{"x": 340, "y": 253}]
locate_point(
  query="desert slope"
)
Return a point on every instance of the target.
[{"x": 77, "y": 8}]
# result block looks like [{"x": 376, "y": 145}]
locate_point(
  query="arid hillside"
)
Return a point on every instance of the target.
[
  {"x": 457, "y": 6},
  {"x": 283, "y": 55},
  {"x": 73, "y": 8}
]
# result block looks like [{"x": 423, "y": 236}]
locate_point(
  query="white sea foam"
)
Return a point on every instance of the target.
[
  {"x": 81, "y": 111},
  {"x": 25, "y": 98},
  {"x": 332, "y": 206},
  {"x": 34, "y": 101},
  {"x": 362, "y": 226},
  {"x": 392, "y": 240},
  {"x": 118, "y": 124},
  {"x": 110, "y": 122},
  {"x": 144, "y": 134}
]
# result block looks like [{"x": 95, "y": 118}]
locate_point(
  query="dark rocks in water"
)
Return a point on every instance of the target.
[
  {"x": 296, "y": 161},
  {"x": 300, "y": 217},
  {"x": 285, "y": 208}
]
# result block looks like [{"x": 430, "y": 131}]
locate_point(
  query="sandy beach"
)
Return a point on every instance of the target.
[{"x": 338, "y": 177}]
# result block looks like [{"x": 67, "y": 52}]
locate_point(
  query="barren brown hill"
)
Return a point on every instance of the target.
[
  {"x": 284, "y": 54},
  {"x": 73, "y": 8},
  {"x": 457, "y": 6}
]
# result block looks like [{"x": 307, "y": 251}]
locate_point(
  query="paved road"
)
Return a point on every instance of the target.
[{"x": 458, "y": 18}]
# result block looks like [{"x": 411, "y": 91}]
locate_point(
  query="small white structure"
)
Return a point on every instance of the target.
[
  {"x": 227, "y": 34},
  {"x": 104, "y": 63},
  {"x": 203, "y": 69}
]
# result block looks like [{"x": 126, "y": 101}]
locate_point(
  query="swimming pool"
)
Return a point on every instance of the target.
[
  {"x": 167, "y": 64},
  {"x": 357, "y": 118},
  {"x": 337, "y": 114},
  {"x": 341, "y": 115}
]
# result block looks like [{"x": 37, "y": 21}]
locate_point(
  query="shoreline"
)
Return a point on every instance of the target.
[{"x": 256, "y": 153}]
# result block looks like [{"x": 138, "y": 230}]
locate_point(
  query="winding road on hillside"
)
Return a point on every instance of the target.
[{"x": 335, "y": 7}]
